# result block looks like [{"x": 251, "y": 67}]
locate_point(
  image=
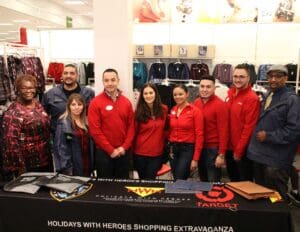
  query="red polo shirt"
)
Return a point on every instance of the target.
[
  {"x": 216, "y": 118},
  {"x": 111, "y": 123},
  {"x": 244, "y": 110},
  {"x": 150, "y": 136},
  {"x": 187, "y": 127}
]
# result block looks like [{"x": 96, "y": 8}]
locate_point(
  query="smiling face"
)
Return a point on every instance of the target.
[
  {"x": 206, "y": 88},
  {"x": 69, "y": 76},
  {"x": 76, "y": 108},
  {"x": 110, "y": 82},
  {"x": 149, "y": 95},
  {"x": 276, "y": 79},
  {"x": 240, "y": 78},
  {"x": 180, "y": 96},
  {"x": 27, "y": 91}
]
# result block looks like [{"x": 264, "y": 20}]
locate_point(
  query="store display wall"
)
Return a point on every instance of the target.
[{"x": 115, "y": 32}]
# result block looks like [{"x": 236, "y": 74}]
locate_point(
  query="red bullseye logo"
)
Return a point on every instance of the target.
[{"x": 217, "y": 194}]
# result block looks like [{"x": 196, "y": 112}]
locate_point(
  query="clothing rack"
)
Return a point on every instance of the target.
[
  {"x": 20, "y": 50},
  {"x": 189, "y": 82},
  {"x": 14, "y": 48}
]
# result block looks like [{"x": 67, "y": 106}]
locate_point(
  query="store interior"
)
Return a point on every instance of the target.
[
  {"x": 108, "y": 34},
  {"x": 90, "y": 38}
]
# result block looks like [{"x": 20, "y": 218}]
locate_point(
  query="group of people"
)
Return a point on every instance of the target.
[{"x": 81, "y": 133}]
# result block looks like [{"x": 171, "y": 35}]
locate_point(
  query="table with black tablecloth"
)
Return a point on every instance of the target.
[{"x": 133, "y": 205}]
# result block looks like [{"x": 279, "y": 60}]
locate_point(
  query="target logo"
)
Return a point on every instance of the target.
[{"x": 218, "y": 194}]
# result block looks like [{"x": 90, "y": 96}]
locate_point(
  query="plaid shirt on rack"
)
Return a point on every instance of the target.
[{"x": 26, "y": 143}]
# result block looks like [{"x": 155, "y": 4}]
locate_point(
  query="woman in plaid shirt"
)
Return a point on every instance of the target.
[{"x": 26, "y": 130}]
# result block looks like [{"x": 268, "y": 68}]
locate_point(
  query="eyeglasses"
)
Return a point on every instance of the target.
[{"x": 239, "y": 76}]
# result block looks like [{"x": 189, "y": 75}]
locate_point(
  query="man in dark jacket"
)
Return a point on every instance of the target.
[
  {"x": 55, "y": 100},
  {"x": 274, "y": 142}
]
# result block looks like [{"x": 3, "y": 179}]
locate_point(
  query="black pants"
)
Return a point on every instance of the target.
[
  {"x": 206, "y": 165},
  {"x": 147, "y": 167},
  {"x": 238, "y": 170},
  {"x": 108, "y": 167},
  {"x": 294, "y": 178},
  {"x": 270, "y": 177}
]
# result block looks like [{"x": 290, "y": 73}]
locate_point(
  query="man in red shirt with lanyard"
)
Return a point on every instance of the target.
[
  {"x": 244, "y": 107},
  {"x": 111, "y": 122},
  {"x": 215, "y": 114}
]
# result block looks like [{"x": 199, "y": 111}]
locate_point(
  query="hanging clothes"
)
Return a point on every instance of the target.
[
  {"x": 193, "y": 93},
  {"x": 292, "y": 72},
  {"x": 178, "y": 70},
  {"x": 82, "y": 73},
  {"x": 4, "y": 82},
  {"x": 157, "y": 72},
  {"x": 33, "y": 66},
  {"x": 252, "y": 73},
  {"x": 223, "y": 72},
  {"x": 198, "y": 70},
  {"x": 89, "y": 72},
  {"x": 55, "y": 70},
  {"x": 166, "y": 95},
  {"x": 221, "y": 90},
  {"x": 139, "y": 74},
  {"x": 262, "y": 71}
]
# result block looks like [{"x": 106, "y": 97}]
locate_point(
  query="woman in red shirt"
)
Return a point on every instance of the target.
[
  {"x": 186, "y": 134},
  {"x": 150, "y": 121}
]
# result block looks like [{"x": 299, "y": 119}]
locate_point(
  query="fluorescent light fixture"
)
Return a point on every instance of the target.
[
  {"x": 6, "y": 24},
  {"x": 74, "y": 2},
  {"x": 11, "y": 38},
  {"x": 13, "y": 31},
  {"x": 21, "y": 20},
  {"x": 3, "y": 33},
  {"x": 44, "y": 26}
]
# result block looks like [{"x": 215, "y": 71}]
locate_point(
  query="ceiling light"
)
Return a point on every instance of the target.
[
  {"x": 20, "y": 20},
  {"x": 44, "y": 26},
  {"x": 3, "y": 33},
  {"x": 11, "y": 38},
  {"x": 74, "y": 2},
  {"x": 6, "y": 24}
]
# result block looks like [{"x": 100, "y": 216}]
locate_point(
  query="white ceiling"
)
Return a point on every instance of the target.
[{"x": 42, "y": 15}]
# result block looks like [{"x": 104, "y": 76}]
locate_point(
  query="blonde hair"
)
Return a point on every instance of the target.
[{"x": 67, "y": 114}]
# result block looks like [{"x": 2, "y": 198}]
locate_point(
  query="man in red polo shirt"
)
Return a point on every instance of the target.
[
  {"x": 215, "y": 114},
  {"x": 111, "y": 125},
  {"x": 244, "y": 107}
]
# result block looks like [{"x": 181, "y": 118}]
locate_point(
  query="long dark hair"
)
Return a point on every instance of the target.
[{"x": 143, "y": 111}]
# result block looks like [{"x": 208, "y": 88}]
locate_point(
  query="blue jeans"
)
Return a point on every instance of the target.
[
  {"x": 181, "y": 156},
  {"x": 147, "y": 167},
  {"x": 111, "y": 168},
  {"x": 206, "y": 166}
]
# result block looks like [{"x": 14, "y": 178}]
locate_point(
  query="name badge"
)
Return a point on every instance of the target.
[{"x": 109, "y": 107}]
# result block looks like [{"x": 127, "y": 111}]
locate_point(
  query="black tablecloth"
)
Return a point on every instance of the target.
[{"x": 115, "y": 205}]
